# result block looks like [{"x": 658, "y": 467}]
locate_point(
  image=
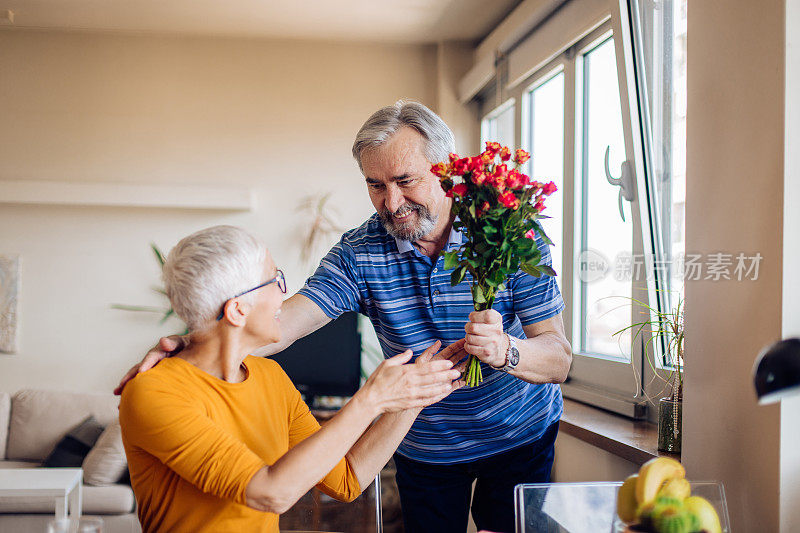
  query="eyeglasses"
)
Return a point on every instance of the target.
[{"x": 280, "y": 279}]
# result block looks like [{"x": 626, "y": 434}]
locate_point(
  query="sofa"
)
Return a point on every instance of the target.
[{"x": 32, "y": 422}]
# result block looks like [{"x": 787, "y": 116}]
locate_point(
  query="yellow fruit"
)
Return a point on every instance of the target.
[
  {"x": 705, "y": 516},
  {"x": 677, "y": 487},
  {"x": 653, "y": 474},
  {"x": 626, "y": 500}
]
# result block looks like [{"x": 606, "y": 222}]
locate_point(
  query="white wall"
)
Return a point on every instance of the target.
[
  {"x": 278, "y": 116},
  {"x": 790, "y": 408},
  {"x": 734, "y": 204}
]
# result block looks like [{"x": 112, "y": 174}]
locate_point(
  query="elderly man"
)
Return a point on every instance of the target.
[{"x": 496, "y": 435}]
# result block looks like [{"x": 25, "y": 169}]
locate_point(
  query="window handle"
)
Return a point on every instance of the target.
[{"x": 625, "y": 182}]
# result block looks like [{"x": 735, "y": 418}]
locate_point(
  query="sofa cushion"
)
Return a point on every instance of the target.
[
  {"x": 41, "y": 418},
  {"x": 114, "y": 499},
  {"x": 5, "y": 414},
  {"x": 76, "y": 445},
  {"x": 106, "y": 463}
]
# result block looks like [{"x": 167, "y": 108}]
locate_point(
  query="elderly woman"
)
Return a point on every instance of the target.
[{"x": 218, "y": 440}]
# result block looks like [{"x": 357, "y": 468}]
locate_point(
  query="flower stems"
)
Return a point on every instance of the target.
[{"x": 482, "y": 299}]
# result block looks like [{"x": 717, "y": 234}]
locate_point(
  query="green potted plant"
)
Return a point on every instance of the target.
[
  {"x": 165, "y": 312},
  {"x": 667, "y": 328}
]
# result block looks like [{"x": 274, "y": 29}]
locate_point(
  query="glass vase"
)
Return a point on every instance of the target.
[{"x": 669, "y": 425}]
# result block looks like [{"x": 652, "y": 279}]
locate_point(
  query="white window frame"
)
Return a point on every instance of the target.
[{"x": 607, "y": 383}]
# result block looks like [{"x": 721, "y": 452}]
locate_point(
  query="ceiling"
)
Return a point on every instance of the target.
[{"x": 405, "y": 21}]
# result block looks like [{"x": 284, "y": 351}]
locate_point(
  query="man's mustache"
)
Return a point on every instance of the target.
[{"x": 408, "y": 206}]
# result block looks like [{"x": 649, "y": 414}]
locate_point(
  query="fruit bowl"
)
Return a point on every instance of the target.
[
  {"x": 588, "y": 507},
  {"x": 712, "y": 491}
]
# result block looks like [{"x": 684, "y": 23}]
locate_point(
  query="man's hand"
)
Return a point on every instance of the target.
[
  {"x": 485, "y": 338},
  {"x": 166, "y": 346},
  {"x": 454, "y": 353}
]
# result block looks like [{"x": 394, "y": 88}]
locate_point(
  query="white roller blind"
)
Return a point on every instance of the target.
[{"x": 573, "y": 21}]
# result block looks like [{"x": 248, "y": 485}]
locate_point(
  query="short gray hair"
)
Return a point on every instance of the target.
[
  {"x": 385, "y": 122},
  {"x": 209, "y": 267}
]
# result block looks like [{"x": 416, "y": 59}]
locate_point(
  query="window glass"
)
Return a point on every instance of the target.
[
  {"x": 606, "y": 239},
  {"x": 499, "y": 126},
  {"x": 660, "y": 46},
  {"x": 546, "y": 104}
]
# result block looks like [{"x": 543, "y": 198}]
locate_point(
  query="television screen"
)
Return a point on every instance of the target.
[{"x": 327, "y": 362}]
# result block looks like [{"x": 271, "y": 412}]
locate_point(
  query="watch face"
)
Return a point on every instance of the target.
[{"x": 513, "y": 357}]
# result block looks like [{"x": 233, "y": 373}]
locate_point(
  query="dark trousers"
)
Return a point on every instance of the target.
[{"x": 436, "y": 498}]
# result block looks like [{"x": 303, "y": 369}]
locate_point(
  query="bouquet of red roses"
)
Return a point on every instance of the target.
[{"x": 498, "y": 209}]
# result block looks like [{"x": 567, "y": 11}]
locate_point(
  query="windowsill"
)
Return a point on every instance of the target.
[{"x": 633, "y": 440}]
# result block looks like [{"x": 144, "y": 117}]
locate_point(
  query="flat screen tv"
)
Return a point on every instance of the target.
[{"x": 327, "y": 362}]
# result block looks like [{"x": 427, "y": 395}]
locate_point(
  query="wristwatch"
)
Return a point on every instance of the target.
[{"x": 512, "y": 355}]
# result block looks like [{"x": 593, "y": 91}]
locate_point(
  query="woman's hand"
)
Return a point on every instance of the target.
[{"x": 396, "y": 386}]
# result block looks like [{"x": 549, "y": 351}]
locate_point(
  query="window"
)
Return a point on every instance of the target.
[
  {"x": 597, "y": 123},
  {"x": 499, "y": 125},
  {"x": 545, "y": 105},
  {"x": 604, "y": 221}
]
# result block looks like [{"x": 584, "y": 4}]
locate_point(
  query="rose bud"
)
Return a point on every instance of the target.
[{"x": 521, "y": 156}]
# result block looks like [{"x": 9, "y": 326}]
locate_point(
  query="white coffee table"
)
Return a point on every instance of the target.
[{"x": 62, "y": 484}]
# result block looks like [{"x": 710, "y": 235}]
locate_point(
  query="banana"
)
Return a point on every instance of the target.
[
  {"x": 626, "y": 500},
  {"x": 677, "y": 488},
  {"x": 653, "y": 474},
  {"x": 705, "y": 516}
]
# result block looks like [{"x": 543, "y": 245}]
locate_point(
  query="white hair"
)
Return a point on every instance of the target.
[
  {"x": 209, "y": 267},
  {"x": 385, "y": 122}
]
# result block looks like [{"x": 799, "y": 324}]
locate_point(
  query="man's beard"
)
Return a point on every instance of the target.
[{"x": 405, "y": 231}]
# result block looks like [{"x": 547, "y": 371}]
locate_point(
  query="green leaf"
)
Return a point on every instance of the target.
[
  {"x": 477, "y": 294},
  {"x": 450, "y": 260},
  {"x": 142, "y": 308},
  {"x": 547, "y": 269},
  {"x": 168, "y": 314},
  {"x": 498, "y": 278},
  {"x": 158, "y": 254},
  {"x": 531, "y": 269},
  {"x": 458, "y": 275},
  {"x": 524, "y": 244}
]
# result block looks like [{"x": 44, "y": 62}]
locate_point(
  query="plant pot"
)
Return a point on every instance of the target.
[{"x": 669, "y": 425}]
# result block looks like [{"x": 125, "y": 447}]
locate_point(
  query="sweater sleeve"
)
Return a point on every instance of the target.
[{"x": 340, "y": 483}]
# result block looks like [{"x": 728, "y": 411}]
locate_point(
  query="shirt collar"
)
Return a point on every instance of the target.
[{"x": 455, "y": 238}]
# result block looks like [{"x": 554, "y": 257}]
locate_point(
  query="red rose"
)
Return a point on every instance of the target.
[
  {"x": 475, "y": 164},
  {"x": 478, "y": 178},
  {"x": 482, "y": 209},
  {"x": 531, "y": 234},
  {"x": 521, "y": 156},
  {"x": 539, "y": 204},
  {"x": 459, "y": 189},
  {"x": 498, "y": 182},
  {"x": 549, "y": 188},
  {"x": 453, "y": 157},
  {"x": 509, "y": 200},
  {"x": 440, "y": 169},
  {"x": 493, "y": 148},
  {"x": 460, "y": 166},
  {"x": 505, "y": 153},
  {"x": 516, "y": 180}
]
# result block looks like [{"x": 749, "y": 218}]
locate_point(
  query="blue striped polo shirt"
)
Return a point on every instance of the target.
[{"x": 409, "y": 300}]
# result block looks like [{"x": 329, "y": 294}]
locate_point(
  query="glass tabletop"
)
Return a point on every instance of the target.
[{"x": 588, "y": 507}]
